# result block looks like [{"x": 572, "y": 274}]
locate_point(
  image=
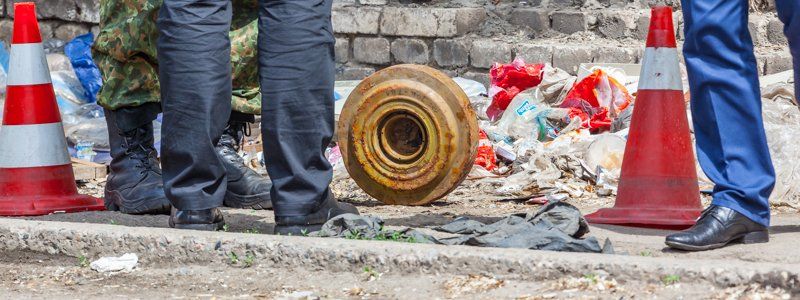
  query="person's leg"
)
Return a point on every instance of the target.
[
  {"x": 246, "y": 188},
  {"x": 130, "y": 97},
  {"x": 726, "y": 111},
  {"x": 296, "y": 59},
  {"x": 789, "y": 13},
  {"x": 195, "y": 73}
]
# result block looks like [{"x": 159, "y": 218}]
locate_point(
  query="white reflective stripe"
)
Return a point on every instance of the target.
[
  {"x": 660, "y": 70},
  {"x": 39, "y": 145},
  {"x": 28, "y": 65}
]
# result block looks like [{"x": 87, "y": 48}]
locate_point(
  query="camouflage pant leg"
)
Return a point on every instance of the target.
[{"x": 125, "y": 52}]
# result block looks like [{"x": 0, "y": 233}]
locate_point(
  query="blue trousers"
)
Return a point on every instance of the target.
[
  {"x": 726, "y": 100},
  {"x": 296, "y": 69}
]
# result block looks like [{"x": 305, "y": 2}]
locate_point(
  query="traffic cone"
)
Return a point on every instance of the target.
[
  {"x": 658, "y": 184},
  {"x": 36, "y": 175}
]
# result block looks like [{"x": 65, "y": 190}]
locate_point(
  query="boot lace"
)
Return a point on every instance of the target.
[
  {"x": 136, "y": 149},
  {"x": 237, "y": 131}
]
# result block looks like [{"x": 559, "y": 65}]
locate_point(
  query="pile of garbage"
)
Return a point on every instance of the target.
[
  {"x": 549, "y": 133},
  {"x": 76, "y": 82}
]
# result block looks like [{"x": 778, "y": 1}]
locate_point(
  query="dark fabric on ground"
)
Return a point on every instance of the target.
[{"x": 557, "y": 226}]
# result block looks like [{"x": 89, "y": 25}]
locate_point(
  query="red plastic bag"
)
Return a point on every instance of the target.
[
  {"x": 597, "y": 100},
  {"x": 507, "y": 81},
  {"x": 486, "y": 157}
]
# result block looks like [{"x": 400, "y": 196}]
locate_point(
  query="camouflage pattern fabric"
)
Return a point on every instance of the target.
[{"x": 125, "y": 52}]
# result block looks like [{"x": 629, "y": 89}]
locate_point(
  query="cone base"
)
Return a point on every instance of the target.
[
  {"x": 648, "y": 218},
  {"x": 44, "y": 205}
]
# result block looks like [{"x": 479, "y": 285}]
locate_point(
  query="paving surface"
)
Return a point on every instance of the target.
[{"x": 41, "y": 259}]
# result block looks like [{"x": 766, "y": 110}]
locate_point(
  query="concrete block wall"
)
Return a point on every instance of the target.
[{"x": 464, "y": 37}]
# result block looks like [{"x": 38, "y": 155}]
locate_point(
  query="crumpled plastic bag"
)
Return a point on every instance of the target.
[
  {"x": 79, "y": 51},
  {"x": 125, "y": 263},
  {"x": 528, "y": 117},
  {"x": 555, "y": 85},
  {"x": 597, "y": 100},
  {"x": 507, "y": 81}
]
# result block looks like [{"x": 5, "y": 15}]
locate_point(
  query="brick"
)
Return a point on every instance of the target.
[
  {"x": 612, "y": 26},
  {"x": 616, "y": 55},
  {"x": 564, "y": 3},
  {"x": 532, "y": 53},
  {"x": 373, "y": 2},
  {"x": 642, "y": 27},
  {"x": 410, "y": 51},
  {"x": 569, "y": 22},
  {"x": 342, "y": 3},
  {"x": 69, "y": 31},
  {"x": 485, "y": 53},
  {"x": 569, "y": 58},
  {"x": 50, "y": 9},
  {"x": 434, "y": 22},
  {"x": 48, "y": 28},
  {"x": 775, "y": 32},
  {"x": 6, "y": 27},
  {"x": 353, "y": 73},
  {"x": 777, "y": 63},
  {"x": 88, "y": 10},
  {"x": 342, "y": 50},
  {"x": 451, "y": 53},
  {"x": 95, "y": 30},
  {"x": 535, "y": 19},
  {"x": 758, "y": 31},
  {"x": 371, "y": 50},
  {"x": 469, "y": 19},
  {"x": 363, "y": 20}
]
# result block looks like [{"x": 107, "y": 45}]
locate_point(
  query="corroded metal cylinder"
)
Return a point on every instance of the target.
[{"x": 408, "y": 135}]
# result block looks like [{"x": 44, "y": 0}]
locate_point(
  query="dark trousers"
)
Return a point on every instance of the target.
[
  {"x": 726, "y": 101},
  {"x": 296, "y": 69}
]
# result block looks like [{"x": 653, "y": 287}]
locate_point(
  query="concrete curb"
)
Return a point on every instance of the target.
[{"x": 155, "y": 245}]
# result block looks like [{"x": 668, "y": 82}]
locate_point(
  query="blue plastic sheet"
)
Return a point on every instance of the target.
[
  {"x": 4, "y": 57},
  {"x": 79, "y": 51}
]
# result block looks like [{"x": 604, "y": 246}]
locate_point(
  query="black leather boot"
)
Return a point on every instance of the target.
[
  {"x": 206, "y": 219},
  {"x": 299, "y": 225},
  {"x": 134, "y": 185},
  {"x": 246, "y": 188},
  {"x": 717, "y": 227}
]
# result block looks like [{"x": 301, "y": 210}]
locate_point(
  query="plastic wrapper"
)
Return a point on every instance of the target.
[
  {"x": 79, "y": 51},
  {"x": 555, "y": 85},
  {"x": 69, "y": 92},
  {"x": 471, "y": 87},
  {"x": 528, "y": 117},
  {"x": 485, "y": 156},
  {"x": 597, "y": 100},
  {"x": 507, "y": 81}
]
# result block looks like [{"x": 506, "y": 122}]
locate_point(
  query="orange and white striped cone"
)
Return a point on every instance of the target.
[
  {"x": 658, "y": 184},
  {"x": 36, "y": 176}
]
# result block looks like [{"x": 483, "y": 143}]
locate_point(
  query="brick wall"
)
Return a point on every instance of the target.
[{"x": 464, "y": 37}]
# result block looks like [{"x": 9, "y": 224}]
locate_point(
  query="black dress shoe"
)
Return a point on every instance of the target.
[
  {"x": 313, "y": 221},
  {"x": 246, "y": 188},
  {"x": 717, "y": 227},
  {"x": 206, "y": 219}
]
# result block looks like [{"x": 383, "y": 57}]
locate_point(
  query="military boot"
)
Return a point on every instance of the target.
[
  {"x": 246, "y": 188},
  {"x": 134, "y": 185}
]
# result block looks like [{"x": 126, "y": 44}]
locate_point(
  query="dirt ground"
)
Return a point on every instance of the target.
[
  {"x": 473, "y": 199},
  {"x": 38, "y": 276},
  {"x": 29, "y": 275}
]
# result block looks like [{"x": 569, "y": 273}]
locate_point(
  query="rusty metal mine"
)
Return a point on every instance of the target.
[{"x": 408, "y": 135}]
